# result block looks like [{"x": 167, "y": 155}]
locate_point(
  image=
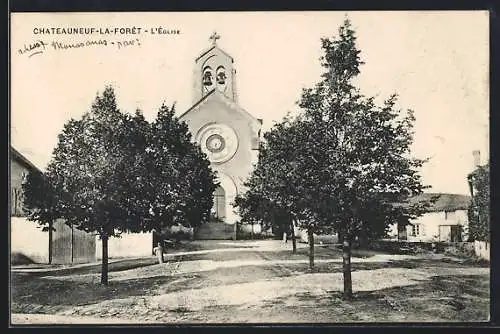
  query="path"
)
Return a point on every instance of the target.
[{"x": 258, "y": 281}]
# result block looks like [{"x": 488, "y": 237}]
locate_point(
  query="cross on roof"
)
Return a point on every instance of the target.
[{"x": 214, "y": 37}]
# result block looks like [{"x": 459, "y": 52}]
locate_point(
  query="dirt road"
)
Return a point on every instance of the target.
[{"x": 256, "y": 282}]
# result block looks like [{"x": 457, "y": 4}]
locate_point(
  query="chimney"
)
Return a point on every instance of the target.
[{"x": 477, "y": 158}]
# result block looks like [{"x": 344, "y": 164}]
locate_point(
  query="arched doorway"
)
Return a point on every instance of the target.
[
  {"x": 228, "y": 186},
  {"x": 218, "y": 212},
  {"x": 222, "y": 216}
]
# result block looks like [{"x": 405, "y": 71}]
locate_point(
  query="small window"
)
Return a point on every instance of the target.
[{"x": 417, "y": 230}]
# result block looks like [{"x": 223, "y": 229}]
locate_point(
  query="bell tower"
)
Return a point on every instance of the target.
[
  {"x": 225, "y": 132},
  {"x": 214, "y": 70}
]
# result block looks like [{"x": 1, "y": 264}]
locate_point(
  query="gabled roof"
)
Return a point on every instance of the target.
[
  {"x": 198, "y": 103},
  {"x": 444, "y": 202},
  {"x": 23, "y": 160},
  {"x": 212, "y": 48},
  {"x": 218, "y": 94}
]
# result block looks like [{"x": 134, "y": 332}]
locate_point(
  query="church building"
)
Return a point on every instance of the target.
[{"x": 226, "y": 132}]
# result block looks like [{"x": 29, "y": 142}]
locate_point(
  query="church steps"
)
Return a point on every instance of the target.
[{"x": 214, "y": 231}]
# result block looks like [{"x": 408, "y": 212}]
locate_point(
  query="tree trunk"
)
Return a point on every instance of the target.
[
  {"x": 294, "y": 242},
  {"x": 51, "y": 251},
  {"x": 104, "y": 267},
  {"x": 363, "y": 239},
  {"x": 72, "y": 244},
  {"x": 340, "y": 236},
  {"x": 346, "y": 264},
  {"x": 311, "y": 248}
]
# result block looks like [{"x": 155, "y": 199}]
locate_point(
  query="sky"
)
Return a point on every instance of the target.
[{"x": 437, "y": 62}]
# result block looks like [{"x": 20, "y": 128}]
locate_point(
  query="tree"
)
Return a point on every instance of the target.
[
  {"x": 40, "y": 202},
  {"x": 363, "y": 149},
  {"x": 254, "y": 208},
  {"x": 343, "y": 164},
  {"x": 181, "y": 183},
  {"x": 91, "y": 171},
  {"x": 113, "y": 172},
  {"x": 479, "y": 213},
  {"x": 276, "y": 186}
]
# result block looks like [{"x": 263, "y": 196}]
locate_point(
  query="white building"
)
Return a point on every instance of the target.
[{"x": 445, "y": 220}]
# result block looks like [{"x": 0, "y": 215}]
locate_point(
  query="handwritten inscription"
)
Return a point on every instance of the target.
[
  {"x": 122, "y": 44},
  {"x": 39, "y": 47},
  {"x": 65, "y": 46}
]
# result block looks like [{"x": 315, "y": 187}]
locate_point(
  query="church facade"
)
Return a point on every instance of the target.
[{"x": 227, "y": 133}]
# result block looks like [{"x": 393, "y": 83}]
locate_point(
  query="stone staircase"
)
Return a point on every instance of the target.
[{"x": 214, "y": 231}]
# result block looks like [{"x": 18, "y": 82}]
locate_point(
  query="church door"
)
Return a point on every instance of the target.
[{"x": 219, "y": 208}]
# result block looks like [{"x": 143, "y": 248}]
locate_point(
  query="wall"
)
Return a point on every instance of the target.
[
  {"x": 26, "y": 237},
  {"x": 233, "y": 173},
  {"x": 247, "y": 228},
  {"x": 215, "y": 109},
  {"x": 430, "y": 223},
  {"x": 129, "y": 245},
  {"x": 29, "y": 240}
]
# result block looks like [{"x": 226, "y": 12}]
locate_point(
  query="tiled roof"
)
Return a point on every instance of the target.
[{"x": 444, "y": 202}]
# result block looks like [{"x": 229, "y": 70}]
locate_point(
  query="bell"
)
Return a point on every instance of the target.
[
  {"x": 221, "y": 78},
  {"x": 207, "y": 79}
]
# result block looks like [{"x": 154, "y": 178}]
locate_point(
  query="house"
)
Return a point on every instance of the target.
[
  {"x": 445, "y": 220},
  {"x": 28, "y": 243}
]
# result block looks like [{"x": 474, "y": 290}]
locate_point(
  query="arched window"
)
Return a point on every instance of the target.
[
  {"x": 221, "y": 75},
  {"x": 207, "y": 79}
]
